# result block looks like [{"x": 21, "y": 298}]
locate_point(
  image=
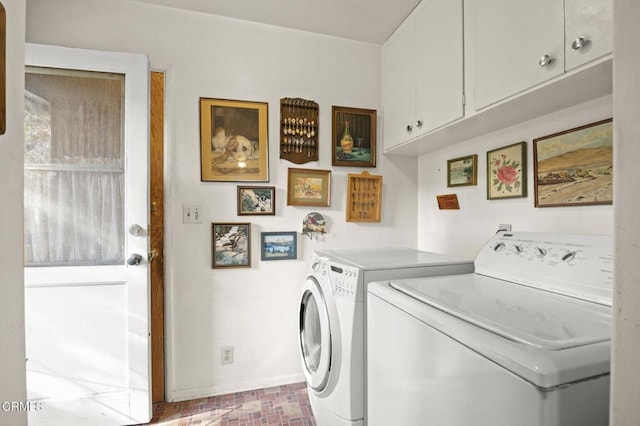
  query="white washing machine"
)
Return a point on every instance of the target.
[
  {"x": 525, "y": 340},
  {"x": 332, "y": 321}
]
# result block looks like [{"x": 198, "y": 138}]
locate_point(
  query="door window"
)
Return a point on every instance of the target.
[{"x": 74, "y": 168}]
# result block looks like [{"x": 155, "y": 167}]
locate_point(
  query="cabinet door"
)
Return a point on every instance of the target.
[
  {"x": 439, "y": 64},
  {"x": 398, "y": 92},
  {"x": 509, "y": 37},
  {"x": 588, "y": 31}
]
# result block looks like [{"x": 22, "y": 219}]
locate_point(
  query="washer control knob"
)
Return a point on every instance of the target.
[
  {"x": 498, "y": 247},
  {"x": 518, "y": 249},
  {"x": 540, "y": 252},
  {"x": 569, "y": 256}
]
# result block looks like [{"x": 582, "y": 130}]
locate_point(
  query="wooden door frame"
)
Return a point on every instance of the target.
[{"x": 156, "y": 234}]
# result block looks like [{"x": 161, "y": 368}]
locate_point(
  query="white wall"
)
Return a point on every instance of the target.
[
  {"x": 255, "y": 310},
  {"x": 12, "y": 352},
  {"x": 463, "y": 232},
  {"x": 625, "y": 394}
]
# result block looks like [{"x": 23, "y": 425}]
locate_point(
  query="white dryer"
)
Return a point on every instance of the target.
[
  {"x": 332, "y": 321},
  {"x": 525, "y": 340}
]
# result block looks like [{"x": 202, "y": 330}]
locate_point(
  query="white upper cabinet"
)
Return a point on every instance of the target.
[
  {"x": 422, "y": 72},
  {"x": 588, "y": 31},
  {"x": 517, "y": 44}
]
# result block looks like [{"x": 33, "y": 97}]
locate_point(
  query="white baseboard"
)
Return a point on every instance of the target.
[{"x": 227, "y": 388}]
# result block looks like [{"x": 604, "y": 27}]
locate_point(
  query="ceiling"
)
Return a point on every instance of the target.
[{"x": 371, "y": 21}]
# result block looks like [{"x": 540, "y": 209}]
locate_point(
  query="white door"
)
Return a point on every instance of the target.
[{"x": 86, "y": 267}]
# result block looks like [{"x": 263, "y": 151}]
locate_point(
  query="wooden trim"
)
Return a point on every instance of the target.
[{"x": 156, "y": 171}]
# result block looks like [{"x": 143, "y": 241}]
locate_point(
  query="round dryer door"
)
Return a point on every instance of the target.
[{"x": 314, "y": 335}]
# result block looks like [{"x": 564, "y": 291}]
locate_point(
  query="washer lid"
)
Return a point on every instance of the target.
[
  {"x": 376, "y": 258},
  {"x": 538, "y": 318}
]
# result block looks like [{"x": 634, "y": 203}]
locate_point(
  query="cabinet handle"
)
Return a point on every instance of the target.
[
  {"x": 409, "y": 128},
  {"x": 419, "y": 123},
  {"x": 579, "y": 43},
  {"x": 545, "y": 60}
]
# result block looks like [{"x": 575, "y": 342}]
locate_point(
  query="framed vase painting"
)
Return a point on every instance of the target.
[
  {"x": 507, "y": 172},
  {"x": 353, "y": 134},
  {"x": 234, "y": 141},
  {"x": 574, "y": 167}
]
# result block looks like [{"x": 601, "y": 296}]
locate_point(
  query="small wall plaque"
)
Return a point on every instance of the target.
[{"x": 448, "y": 202}]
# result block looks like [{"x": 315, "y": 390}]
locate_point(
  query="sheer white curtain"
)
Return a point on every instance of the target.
[{"x": 74, "y": 175}]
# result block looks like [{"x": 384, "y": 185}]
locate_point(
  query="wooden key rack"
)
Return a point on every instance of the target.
[
  {"x": 298, "y": 130},
  {"x": 364, "y": 197}
]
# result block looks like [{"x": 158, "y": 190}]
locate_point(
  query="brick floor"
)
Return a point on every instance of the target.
[{"x": 286, "y": 405}]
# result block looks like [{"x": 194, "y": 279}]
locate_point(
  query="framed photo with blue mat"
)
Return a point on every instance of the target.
[{"x": 278, "y": 245}]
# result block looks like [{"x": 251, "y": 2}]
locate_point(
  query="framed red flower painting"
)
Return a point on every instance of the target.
[{"x": 507, "y": 172}]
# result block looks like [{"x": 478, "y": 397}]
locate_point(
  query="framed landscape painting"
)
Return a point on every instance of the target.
[
  {"x": 574, "y": 167},
  {"x": 308, "y": 187},
  {"x": 256, "y": 200},
  {"x": 279, "y": 246},
  {"x": 462, "y": 171},
  {"x": 231, "y": 245}
]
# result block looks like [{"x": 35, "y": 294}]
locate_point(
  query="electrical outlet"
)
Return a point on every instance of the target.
[
  {"x": 191, "y": 214},
  {"x": 504, "y": 227},
  {"x": 226, "y": 355}
]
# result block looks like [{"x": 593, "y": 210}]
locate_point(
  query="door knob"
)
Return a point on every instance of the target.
[
  {"x": 136, "y": 230},
  {"x": 134, "y": 259}
]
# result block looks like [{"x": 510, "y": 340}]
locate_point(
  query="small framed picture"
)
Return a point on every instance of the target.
[
  {"x": 308, "y": 187},
  {"x": 354, "y": 137},
  {"x": 231, "y": 245},
  {"x": 234, "y": 141},
  {"x": 278, "y": 245},
  {"x": 256, "y": 200},
  {"x": 462, "y": 171},
  {"x": 507, "y": 172},
  {"x": 574, "y": 167}
]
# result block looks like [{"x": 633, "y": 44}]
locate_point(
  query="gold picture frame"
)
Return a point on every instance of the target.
[
  {"x": 308, "y": 187},
  {"x": 364, "y": 197},
  {"x": 574, "y": 167},
  {"x": 234, "y": 141}
]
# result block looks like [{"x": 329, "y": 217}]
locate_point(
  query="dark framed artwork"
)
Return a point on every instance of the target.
[
  {"x": 231, "y": 245},
  {"x": 234, "y": 141},
  {"x": 256, "y": 200},
  {"x": 278, "y": 245},
  {"x": 507, "y": 172},
  {"x": 309, "y": 187},
  {"x": 353, "y": 133},
  {"x": 462, "y": 171},
  {"x": 574, "y": 167}
]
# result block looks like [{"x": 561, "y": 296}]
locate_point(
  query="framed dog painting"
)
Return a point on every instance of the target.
[{"x": 234, "y": 141}]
